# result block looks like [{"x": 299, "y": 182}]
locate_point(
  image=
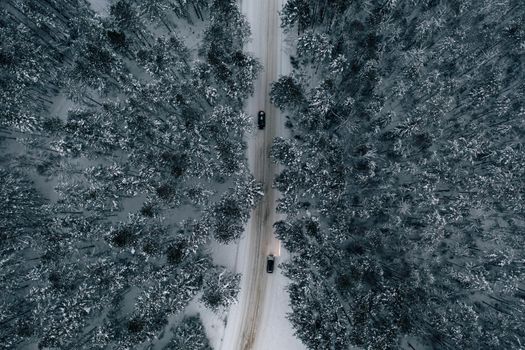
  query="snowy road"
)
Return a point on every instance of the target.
[{"x": 258, "y": 321}]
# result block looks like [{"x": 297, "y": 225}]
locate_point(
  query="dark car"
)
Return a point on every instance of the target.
[
  {"x": 270, "y": 262},
  {"x": 261, "y": 119}
]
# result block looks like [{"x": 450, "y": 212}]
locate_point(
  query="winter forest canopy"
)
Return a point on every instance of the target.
[
  {"x": 123, "y": 154},
  {"x": 404, "y": 178}
]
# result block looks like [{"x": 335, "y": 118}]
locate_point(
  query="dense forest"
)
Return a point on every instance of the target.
[
  {"x": 122, "y": 156},
  {"x": 403, "y": 182}
]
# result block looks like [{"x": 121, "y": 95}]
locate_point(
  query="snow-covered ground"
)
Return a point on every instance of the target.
[{"x": 101, "y": 7}]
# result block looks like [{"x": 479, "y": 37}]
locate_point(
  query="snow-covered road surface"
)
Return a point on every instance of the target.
[{"x": 258, "y": 321}]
